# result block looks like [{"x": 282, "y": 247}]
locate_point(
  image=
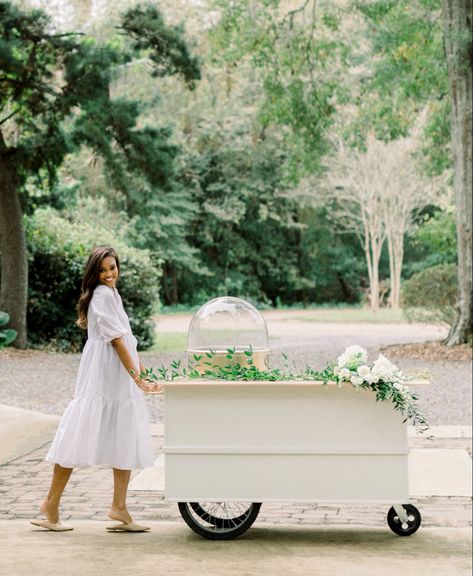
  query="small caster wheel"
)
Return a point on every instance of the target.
[{"x": 404, "y": 528}]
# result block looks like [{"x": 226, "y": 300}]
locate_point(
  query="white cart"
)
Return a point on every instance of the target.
[{"x": 232, "y": 445}]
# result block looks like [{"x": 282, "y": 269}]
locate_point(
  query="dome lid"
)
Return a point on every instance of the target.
[{"x": 227, "y": 322}]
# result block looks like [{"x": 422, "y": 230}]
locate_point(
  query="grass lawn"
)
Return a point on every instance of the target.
[
  {"x": 174, "y": 342},
  {"x": 169, "y": 342},
  {"x": 353, "y": 315},
  {"x": 177, "y": 341}
]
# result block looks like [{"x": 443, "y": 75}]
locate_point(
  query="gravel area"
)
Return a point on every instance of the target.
[{"x": 44, "y": 381}]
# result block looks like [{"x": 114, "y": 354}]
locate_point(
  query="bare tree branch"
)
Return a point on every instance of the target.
[{"x": 376, "y": 194}]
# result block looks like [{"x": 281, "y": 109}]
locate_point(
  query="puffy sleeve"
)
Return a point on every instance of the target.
[{"x": 105, "y": 310}]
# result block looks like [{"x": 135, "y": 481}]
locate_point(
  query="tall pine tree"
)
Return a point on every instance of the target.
[{"x": 54, "y": 98}]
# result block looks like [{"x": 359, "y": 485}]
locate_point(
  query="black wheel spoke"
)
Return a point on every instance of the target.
[{"x": 219, "y": 520}]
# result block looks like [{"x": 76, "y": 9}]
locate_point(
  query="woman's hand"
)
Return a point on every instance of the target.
[{"x": 148, "y": 387}]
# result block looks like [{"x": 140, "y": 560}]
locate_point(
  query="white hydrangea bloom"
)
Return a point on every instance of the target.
[
  {"x": 353, "y": 357},
  {"x": 372, "y": 379},
  {"x": 356, "y": 381},
  {"x": 344, "y": 374},
  {"x": 384, "y": 369},
  {"x": 364, "y": 372}
]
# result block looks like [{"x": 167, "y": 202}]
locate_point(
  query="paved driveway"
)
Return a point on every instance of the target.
[{"x": 44, "y": 381}]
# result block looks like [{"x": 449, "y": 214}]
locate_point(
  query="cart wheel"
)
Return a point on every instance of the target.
[
  {"x": 219, "y": 520},
  {"x": 404, "y": 528}
]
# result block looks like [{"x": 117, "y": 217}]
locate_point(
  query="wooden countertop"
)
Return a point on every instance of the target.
[{"x": 203, "y": 382}]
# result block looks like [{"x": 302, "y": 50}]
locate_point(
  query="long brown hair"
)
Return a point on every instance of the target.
[{"x": 90, "y": 280}]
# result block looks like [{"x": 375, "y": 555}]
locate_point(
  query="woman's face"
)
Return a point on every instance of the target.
[{"x": 108, "y": 272}]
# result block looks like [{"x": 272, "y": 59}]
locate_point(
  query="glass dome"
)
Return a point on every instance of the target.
[{"x": 229, "y": 322}]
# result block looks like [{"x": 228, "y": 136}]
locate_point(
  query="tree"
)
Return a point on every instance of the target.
[
  {"x": 246, "y": 227},
  {"x": 377, "y": 193},
  {"x": 406, "y": 192},
  {"x": 404, "y": 73},
  {"x": 418, "y": 62},
  {"x": 457, "y": 20},
  {"x": 291, "y": 49},
  {"x": 355, "y": 188},
  {"x": 55, "y": 97}
]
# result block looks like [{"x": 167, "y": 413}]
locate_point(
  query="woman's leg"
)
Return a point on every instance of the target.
[
  {"x": 118, "y": 511},
  {"x": 50, "y": 505}
]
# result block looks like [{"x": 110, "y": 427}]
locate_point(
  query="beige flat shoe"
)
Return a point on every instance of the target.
[
  {"x": 131, "y": 527},
  {"x": 53, "y": 526}
]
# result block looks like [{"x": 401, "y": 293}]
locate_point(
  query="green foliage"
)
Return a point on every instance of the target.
[
  {"x": 431, "y": 295},
  {"x": 384, "y": 387},
  {"x": 7, "y": 335},
  {"x": 434, "y": 242},
  {"x": 246, "y": 227},
  {"x": 408, "y": 72},
  {"x": 56, "y": 98},
  {"x": 164, "y": 45},
  {"x": 214, "y": 200},
  {"x": 290, "y": 52},
  {"x": 28, "y": 58},
  {"x": 58, "y": 249},
  {"x": 335, "y": 261},
  {"x": 437, "y": 135}
]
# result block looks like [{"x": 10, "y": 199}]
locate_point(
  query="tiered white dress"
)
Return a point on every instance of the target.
[{"x": 107, "y": 421}]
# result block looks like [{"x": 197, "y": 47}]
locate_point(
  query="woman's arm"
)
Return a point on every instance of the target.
[{"x": 130, "y": 367}]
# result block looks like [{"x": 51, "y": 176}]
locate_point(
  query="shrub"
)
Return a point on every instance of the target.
[
  {"x": 433, "y": 243},
  {"x": 7, "y": 335},
  {"x": 58, "y": 249},
  {"x": 431, "y": 295}
]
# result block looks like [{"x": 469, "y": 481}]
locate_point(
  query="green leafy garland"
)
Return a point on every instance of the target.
[{"x": 381, "y": 377}]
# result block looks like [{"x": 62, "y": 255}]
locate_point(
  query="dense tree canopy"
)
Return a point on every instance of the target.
[
  {"x": 55, "y": 98},
  {"x": 224, "y": 185}
]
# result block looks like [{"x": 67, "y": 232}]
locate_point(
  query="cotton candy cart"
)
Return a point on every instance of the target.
[{"x": 231, "y": 446}]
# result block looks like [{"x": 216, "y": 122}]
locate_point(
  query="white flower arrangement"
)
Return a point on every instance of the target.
[
  {"x": 382, "y": 377},
  {"x": 353, "y": 357}
]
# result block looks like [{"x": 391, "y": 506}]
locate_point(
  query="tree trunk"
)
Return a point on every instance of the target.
[
  {"x": 391, "y": 271},
  {"x": 13, "y": 259},
  {"x": 374, "y": 276},
  {"x": 375, "y": 288},
  {"x": 396, "y": 257},
  {"x": 457, "y": 21},
  {"x": 372, "y": 247}
]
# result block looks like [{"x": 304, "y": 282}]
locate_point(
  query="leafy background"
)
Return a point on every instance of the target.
[{"x": 233, "y": 204}]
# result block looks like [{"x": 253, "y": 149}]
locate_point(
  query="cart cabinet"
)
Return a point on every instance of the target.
[{"x": 282, "y": 441}]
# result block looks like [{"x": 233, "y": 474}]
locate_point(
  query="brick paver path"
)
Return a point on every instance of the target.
[{"x": 25, "y": 481}]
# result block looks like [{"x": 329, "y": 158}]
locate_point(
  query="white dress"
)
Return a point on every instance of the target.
[{"x": 107, "y": 421}]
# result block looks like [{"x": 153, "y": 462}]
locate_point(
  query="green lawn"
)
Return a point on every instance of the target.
[
  {"x": 177, "y": 341},
  {"x": 174, "y": 342},
  {"x": 170, "y": 342},
  {"x": 354, "y": 315}
]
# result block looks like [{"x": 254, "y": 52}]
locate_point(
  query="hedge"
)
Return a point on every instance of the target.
[
  {"x": 431, "y": 295},
  {"x": 58, "y": 249}
]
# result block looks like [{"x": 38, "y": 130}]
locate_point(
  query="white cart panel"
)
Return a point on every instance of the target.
[
  {"x": 282, "y": 441},
  {"x": 270, "y": 478}
]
